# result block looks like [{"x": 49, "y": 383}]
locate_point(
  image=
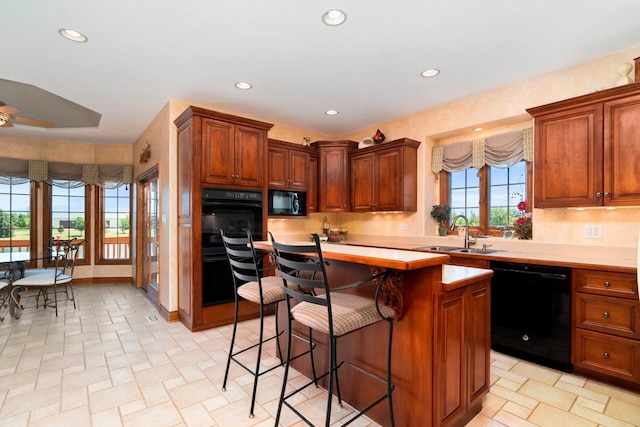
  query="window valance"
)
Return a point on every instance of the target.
[
  {"x": 499, "y": 151},
  {"x": 106, "y": 176}
]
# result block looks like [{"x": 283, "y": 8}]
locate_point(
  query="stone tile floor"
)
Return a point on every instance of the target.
[{"x": 115, "y": 362}]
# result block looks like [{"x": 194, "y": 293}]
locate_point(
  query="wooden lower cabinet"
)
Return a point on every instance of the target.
[
  {"x": 463, "y": 318},
  {"x": 606, "y": 319},
  {"x": 470, "y": 261}
]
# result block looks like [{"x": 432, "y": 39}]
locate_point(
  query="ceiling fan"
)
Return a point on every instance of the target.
[{"x": 9, "y": 115}]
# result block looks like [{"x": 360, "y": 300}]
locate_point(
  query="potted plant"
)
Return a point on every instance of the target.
[{"x": 442, "y": 214}]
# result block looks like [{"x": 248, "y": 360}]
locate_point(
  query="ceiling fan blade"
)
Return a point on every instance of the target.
[
  {"x": 8, "y": 109},
  {"x": 32, "y": 122}
]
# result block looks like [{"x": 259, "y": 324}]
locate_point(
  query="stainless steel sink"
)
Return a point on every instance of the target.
[
  {"x": 455, "y": 249},
  {"x": 436, "y": 248},
  {"x": 473, "y": 251}
]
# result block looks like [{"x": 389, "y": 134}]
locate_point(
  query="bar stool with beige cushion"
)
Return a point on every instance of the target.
[
  {"x": 332, "y": 312},
  {"x": 252, "y": 285}
]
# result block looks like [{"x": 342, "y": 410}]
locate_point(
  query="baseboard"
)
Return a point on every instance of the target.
[
  {"x": 169, "y": 316},
  {"x": 103, "y": 280}
]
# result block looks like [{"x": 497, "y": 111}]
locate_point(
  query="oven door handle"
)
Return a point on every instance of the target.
[
  {"x": 551, "y": 276},
  {"x": 214, "y": 258}
]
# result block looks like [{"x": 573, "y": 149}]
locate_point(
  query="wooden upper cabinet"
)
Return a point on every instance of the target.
[
  {"x": 334, "y": 175},
  {"x": 622, "y": 151},
  {"x": 288, "y": 165},
  {"x": 232, "y": 149},
  {"x": 568, "y": 158},
  {"x": 384, "y": 177},
  {"x": 587, "y": 151}
]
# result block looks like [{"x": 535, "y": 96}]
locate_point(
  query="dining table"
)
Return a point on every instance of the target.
[{"x": 12, "y": 267}]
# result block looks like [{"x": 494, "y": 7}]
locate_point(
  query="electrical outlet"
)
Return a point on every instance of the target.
[
  {"x": 404, "y": 227},
  {"x": 593, "y": 231}
]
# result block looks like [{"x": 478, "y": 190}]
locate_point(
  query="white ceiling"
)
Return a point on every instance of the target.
[{"x": 141, "y": 53}]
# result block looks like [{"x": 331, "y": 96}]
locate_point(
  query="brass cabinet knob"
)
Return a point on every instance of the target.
[
  {"x": 607, "y": 284},
  {"x": 605, "y": 355},
  {"x": 605, "y": 315}
]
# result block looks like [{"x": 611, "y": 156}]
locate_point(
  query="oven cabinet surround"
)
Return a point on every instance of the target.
[
  {"x": 312, "y": 192},
  {"x": 384, "y": 177},
  {"x": 334, "y": 175},
  {"x": 607, "y": 326},
  {"x": 288, "y": 166},
  {"x": 441, "y": 341},
  {"x": 214, "y": 149},
  {"x": 587, "y": 151}
]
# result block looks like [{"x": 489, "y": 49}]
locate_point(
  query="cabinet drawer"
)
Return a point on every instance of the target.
[
  {"x": 609, "y": 355},
  {"x": 608, "y": 314},
  {"x": 610, "y": 283}
]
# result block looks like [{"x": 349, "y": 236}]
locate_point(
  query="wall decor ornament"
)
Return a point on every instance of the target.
[
  {"x": 379, "y": 137},
  {"x": 146, "y": 154}
]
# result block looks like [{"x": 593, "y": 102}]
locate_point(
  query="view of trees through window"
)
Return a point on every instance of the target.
[
  {"x": 67, "y": 211},
  {"x": 504, "y": 189},
  {"x": 116, "y": 222},
  {"x": 15, "y": 216}
]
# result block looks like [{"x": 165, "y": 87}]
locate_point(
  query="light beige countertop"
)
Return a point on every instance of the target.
[
  {"x": 592, "y": 257},
  {"x": 398, "y": 259},
  {"x": 454, "y": 276}
]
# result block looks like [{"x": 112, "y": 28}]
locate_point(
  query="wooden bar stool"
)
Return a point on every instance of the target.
[{"x": 331, "y": 312}]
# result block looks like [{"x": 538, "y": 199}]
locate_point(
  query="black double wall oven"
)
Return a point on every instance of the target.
[{"x": 234, "y": 212}]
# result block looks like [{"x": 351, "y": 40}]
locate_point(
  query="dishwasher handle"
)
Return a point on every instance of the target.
[{"x": 551, "y": 276}]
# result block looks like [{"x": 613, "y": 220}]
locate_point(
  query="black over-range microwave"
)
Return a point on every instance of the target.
[{"x": 287, "y": 203}]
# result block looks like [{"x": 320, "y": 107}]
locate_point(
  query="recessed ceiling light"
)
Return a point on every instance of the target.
[
  {"x": 334, "y": 17},
  {"x": 478, "y": 129},
  {"x": 73, "y": 35},
  {"x": 243, "y": 85},
  {"x": 430, "y": 72},
  {"x": 331, "y": 112}
]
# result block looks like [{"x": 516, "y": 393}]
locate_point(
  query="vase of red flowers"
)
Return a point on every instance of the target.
[{"x": 523, "y": 224}]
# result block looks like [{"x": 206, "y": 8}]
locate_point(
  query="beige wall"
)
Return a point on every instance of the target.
[{"x": 498, "y": 111}]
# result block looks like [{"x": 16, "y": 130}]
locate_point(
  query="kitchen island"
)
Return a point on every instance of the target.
[{"x": 441, "y": 335}]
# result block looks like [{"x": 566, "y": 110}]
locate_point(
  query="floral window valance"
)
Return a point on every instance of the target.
[
  {"x": 106, "y": 176},
  {"x": 499, "y": 151}
]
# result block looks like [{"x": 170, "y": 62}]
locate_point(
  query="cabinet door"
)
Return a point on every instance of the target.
[
  {"x": 334, "y": 179},
  {"x": 388, "y": 177},
  {"x": 278, "y": 168},
  {"x": 298, "y": 170},
  {"x": 622, "y": 151},
  {"x": 249, "y": 156},
  {"x": 479, "y": 342},
  {"x": 450, "y": 360},
  {"x": 362, "y": 183},
  {"x": 218, "y": 154},
  {"x": 568, "y": 158}
]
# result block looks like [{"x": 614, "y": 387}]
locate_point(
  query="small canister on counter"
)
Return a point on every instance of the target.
[{"x": 334, "y": 235}]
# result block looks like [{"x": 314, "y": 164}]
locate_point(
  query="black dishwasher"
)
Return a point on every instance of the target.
[{"x": 531, "y": 313}]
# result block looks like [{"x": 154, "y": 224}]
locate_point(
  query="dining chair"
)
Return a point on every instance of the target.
[
  {"x": 252, "y": 285},
  {"x": 4, "y": 296},
  {"x": 52, "y": 247},
  {"x": 331, "y": 311},
  {"x": 58, "y": 279}
]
